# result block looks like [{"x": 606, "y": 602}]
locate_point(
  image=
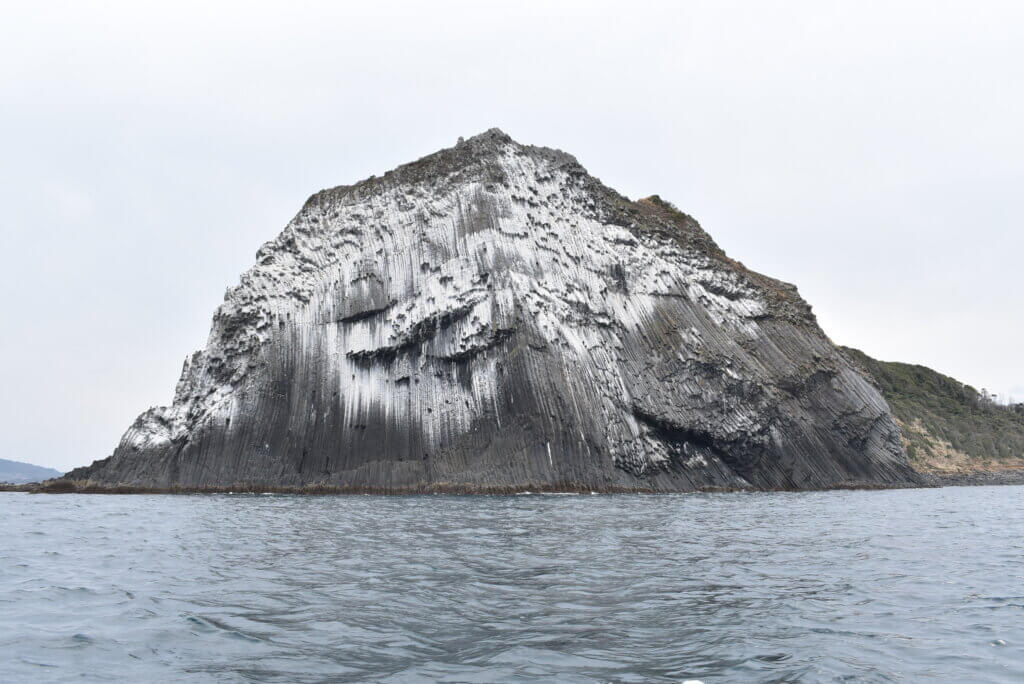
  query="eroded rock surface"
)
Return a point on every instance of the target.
[{"x": 491, "y": 317}]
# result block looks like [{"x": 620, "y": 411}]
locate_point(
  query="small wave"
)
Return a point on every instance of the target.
[
  {"x": 210, "y": 625},
  {"x": 37, "y": 664},
  {"x": 82, "y": 639}
]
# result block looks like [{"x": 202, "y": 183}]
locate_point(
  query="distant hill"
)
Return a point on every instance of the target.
[
  {"x": 15, "y": 472},
  {"x": 948, "y": 427}
]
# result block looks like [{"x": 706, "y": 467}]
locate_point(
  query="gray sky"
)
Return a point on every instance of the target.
[{"x": 871, "y": 153}]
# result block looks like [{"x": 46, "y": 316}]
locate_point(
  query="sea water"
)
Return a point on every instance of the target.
[{"x": 910, "y": 585}]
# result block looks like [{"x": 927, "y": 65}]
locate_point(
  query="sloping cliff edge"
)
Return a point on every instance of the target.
[
  {"x": 490, "y": 319},
  {"x": 952, "y": 433}
]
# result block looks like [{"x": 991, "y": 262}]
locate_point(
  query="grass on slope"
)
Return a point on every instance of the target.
[{"x": 947, "y": 426}]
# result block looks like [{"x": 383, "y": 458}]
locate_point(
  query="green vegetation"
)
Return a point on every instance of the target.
[{"x": 947, "y": 426}]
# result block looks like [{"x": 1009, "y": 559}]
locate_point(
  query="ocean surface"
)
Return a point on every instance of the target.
[{"x": 913, "y": 585}]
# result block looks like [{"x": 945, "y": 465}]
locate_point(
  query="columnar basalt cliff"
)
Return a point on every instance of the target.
[{"x": 492, "y": 318}]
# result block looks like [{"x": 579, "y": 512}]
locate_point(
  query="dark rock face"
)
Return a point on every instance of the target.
[{"x": 493, "y": 318}]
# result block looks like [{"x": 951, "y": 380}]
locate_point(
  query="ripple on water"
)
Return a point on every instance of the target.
[{"x": 875, "y": 586}]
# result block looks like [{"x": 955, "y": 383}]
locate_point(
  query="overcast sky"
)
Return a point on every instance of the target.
[{"x": 871, "y": 153}]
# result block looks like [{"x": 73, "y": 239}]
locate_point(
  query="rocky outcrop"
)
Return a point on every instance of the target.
[{"x": 492, "y": 318}]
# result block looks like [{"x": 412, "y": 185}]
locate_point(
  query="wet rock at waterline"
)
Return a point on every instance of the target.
[{"x": 493, "y": 318}]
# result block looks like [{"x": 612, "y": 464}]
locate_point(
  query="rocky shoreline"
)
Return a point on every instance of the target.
[
  {"x": 978, "y": 478},
  {"x": 928, "y": 480}
]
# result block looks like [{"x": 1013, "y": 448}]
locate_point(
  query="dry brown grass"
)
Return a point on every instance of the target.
[{"x": 931, "y": 454}]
